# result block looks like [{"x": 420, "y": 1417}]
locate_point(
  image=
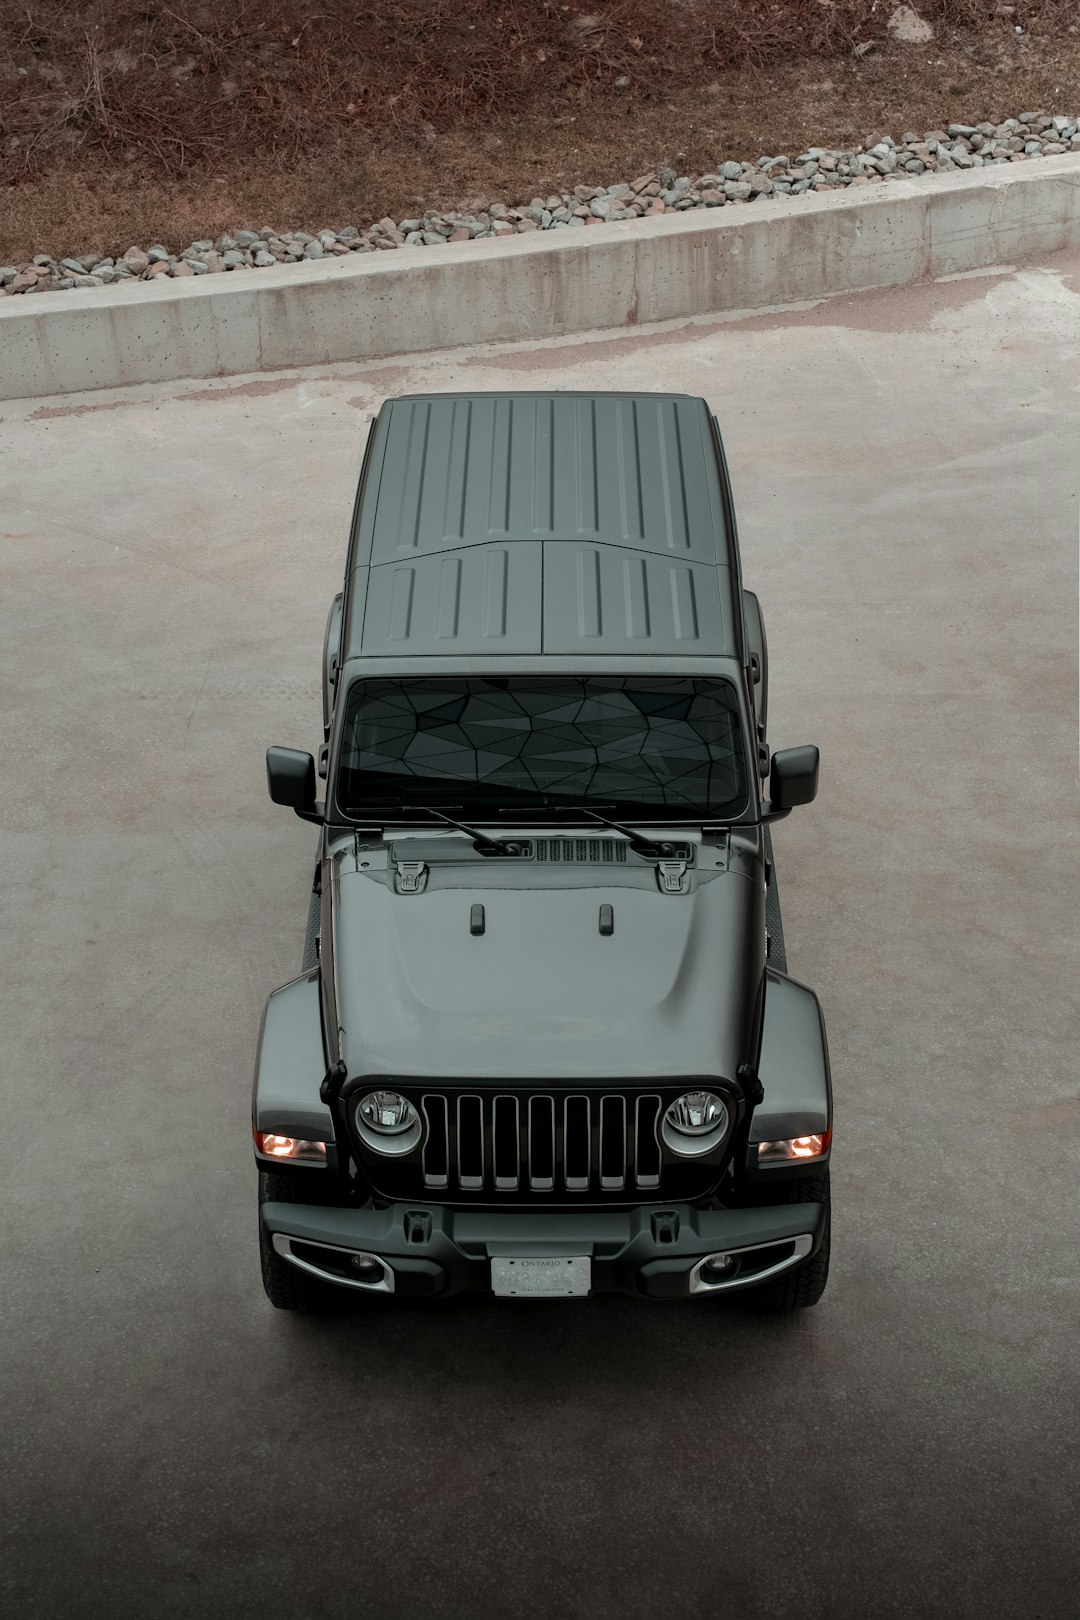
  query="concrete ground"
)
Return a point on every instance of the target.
[{"x": 906, "y": 472}]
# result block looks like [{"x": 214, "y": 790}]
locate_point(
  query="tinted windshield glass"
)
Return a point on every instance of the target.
[{"x": 649, "y": 745}]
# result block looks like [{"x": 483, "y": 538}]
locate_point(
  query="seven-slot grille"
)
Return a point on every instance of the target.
[{"x": 576, "y": 1143}]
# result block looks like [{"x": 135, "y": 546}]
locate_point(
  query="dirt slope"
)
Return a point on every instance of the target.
[{"x": 132, "y": 120}]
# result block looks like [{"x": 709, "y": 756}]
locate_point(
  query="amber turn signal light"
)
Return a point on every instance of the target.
[
  {"x": 794, "y": 1148},
  {"x": 292, "y": 1148}
]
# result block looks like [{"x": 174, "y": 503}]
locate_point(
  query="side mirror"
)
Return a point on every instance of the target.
[
  {"x": 290, "y": 776},
  {"x": 794, "y": 778}
]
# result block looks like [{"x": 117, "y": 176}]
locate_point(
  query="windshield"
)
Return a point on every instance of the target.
[{"x": 645, "y": 745}]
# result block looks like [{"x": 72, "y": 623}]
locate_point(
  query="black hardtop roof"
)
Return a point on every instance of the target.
[{"x": 547, "y": 522}]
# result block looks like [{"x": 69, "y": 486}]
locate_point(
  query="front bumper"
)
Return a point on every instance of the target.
[{"x": 655, "y": 1252}]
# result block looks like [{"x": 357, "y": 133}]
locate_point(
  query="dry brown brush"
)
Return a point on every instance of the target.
[{"x": 189, "y": 83}]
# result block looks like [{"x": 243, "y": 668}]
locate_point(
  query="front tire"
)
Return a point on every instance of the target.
[
  {"x": 804, "y": 1284},
  {"x": 287, "y": 1287}
]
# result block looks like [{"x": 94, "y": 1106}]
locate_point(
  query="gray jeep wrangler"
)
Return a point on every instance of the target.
[{"x": 544, "y": 1042}]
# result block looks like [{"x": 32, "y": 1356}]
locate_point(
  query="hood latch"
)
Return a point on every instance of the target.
[
  {"x": 671, "y": 876},
  {"x": 411, "y": 877}
]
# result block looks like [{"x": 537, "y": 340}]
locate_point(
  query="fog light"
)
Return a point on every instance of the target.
[
  {"x": 794, "y": 1147},
  {"x": 718, "y": 1264},
  {"x": 293, "y": 1148},
  {"x": 365, "y": 1268}
]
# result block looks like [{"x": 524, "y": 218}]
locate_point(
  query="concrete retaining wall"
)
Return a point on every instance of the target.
[{"x": 538, "y": 285}]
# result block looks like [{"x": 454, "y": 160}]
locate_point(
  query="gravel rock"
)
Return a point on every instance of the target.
[
  {"x": 659, "y": 191},
  {"x": 906, "y": 26}
]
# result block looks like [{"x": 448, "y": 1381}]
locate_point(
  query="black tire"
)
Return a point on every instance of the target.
[
  {"x": 287, "y": 1287},
  {"x": 804, "y": 1284}
]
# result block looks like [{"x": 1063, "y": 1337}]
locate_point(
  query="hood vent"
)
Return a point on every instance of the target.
[
  {"x": 597, "y": 851},
  {"x": 589, "y": 851}
]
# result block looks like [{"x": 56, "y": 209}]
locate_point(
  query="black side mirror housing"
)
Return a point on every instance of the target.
[
  {"x": 793, "y": 779},
  {"x": 290, "y": 776}
]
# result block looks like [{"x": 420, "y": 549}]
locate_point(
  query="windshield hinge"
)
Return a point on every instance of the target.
[
  {"x": 411, "y": 877},
  {"x": 672, "y": 876}
]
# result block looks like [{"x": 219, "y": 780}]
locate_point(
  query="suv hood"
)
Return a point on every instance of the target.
[{"x": 541, "y": 994}]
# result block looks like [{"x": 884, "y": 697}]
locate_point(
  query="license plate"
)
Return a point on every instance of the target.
[{"x": 541, "y": 1278}]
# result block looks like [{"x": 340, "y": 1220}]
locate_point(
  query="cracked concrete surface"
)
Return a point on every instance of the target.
[{"x": 906, "y": 475}]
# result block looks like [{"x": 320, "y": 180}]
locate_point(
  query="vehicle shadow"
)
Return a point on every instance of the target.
[{"x": 610, "y": 1341}]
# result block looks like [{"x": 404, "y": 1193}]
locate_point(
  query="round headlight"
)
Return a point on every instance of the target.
[
  {"x": 387, "y": 1112},
  {"x": 387, "y": 1122},
  {"x": 695, "y": 1123}
]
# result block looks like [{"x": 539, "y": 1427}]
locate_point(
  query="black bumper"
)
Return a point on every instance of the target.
[{"x": 428, "y": 1250}]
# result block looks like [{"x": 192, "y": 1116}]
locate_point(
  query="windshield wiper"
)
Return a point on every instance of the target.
[
  {"x": 645, "y": 847},
  {"x": 482, "y": 842}
]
